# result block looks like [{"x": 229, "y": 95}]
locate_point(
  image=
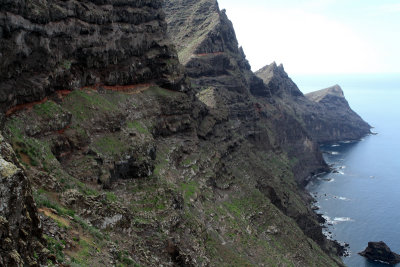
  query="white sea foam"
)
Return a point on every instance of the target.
[
  {"x": 342, "y": 219},
  {"x": 335, "y": 153},
  {"x": 335, "y": 145},
  {"x": 327, "y": 218},
  {"x": 343, "y": 198}
]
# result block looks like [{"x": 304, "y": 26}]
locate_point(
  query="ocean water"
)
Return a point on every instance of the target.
[{"x": 361, "y": 202}]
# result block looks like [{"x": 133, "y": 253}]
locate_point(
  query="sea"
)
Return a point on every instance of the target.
[{"x": 361, "y": 199}]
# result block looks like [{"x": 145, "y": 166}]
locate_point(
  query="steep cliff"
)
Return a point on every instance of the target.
[
  {"x": 325, "y": 114},
  {"x": 242, "y": 111},
  {"x": 20, "y": 234},
  {"x": 56, "y": 45},
  {"x": 135, "y": 160}
]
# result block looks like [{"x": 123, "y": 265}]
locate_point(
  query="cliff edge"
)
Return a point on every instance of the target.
[{"x": 325, "y": 114}]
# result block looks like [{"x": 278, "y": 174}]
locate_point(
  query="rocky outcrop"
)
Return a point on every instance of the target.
[
  {"x": 344, "y": 124},
  {"x": 379, "y": 251},
  {"x": 325, "y": 114},
  {"x": 277, "y": 80},
  {"x": 21, "y": 243},
  {"x": 57, "y": 45}
]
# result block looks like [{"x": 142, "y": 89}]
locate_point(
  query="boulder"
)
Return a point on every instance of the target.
[{"x": 379, "y": 251}]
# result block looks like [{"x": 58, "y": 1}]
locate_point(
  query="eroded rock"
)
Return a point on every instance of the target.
[{"x": 379, "y": 251}]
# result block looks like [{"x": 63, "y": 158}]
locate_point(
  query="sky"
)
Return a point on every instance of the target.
[{"x": 319, "y": 36}]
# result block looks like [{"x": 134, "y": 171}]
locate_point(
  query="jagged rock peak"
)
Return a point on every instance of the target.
[
  {"x": 207, "y": 45},
  {"x": 267, "y": 72},
  {"x": 277, "y": 80},
  {"x": 205, "y": 15},
  {"x": 317, "y": 96}
]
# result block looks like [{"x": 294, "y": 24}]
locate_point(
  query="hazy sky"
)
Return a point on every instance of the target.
[{"x": 319, "y": 36}]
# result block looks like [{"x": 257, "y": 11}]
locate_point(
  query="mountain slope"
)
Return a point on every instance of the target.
[
  {"x": 135, "y": 160},
  {"x": 325, "y": 114},
  {"x": 239, "y": 104}
]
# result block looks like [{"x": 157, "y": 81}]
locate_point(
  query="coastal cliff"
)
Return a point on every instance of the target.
[
  {"x": 325, "y": 114},
  {"x": 148, "y": 145}
]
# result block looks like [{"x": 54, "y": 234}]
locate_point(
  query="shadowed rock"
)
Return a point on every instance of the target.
[
  {"x": 325, "y": 114},
  {"x": 379, "y": 251}
]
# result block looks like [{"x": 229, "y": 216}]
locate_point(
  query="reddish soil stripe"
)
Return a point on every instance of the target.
[
  {"x": 62, "y": 93},
  {"x": 25, "y": 106},
  {"x": 61, "y": 131}
]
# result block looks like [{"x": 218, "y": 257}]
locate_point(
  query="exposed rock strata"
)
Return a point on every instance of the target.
[
  {"x": 53, "y": 45},
  {"x": 240, "y": 104},
  {"x": 142, "y": 174},
  {"x": 325, "y": 114}
]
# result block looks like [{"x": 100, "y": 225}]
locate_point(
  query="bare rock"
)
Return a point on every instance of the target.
[{"x": 379, "y": 251}]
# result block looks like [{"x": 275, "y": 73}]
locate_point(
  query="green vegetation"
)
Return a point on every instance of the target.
[
  {"x": 158, "y": 91},
  {"x": 110, "y": 145},
  {"x": 138, "y": 126},
  {"x": 66, "y": 64},
  {"x": 83, "y": 105},
  {"x": 42, "y": 200},
  {"x": 56, "y": 247},
  {"x": 189, "y": 190},
  {"x": 31, "y": 151},
  {"x": 111, "y": 197},
  {"x": 84, "y": 189},
  {"x": 48, "y": 109}
]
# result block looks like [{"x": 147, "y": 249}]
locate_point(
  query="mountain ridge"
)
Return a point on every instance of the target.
[{"x": 199, "y": 164}]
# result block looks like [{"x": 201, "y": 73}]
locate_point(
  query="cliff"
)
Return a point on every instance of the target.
[
  {"x": 241, "y": 111},
  {"x": 325, "y": 114},
  {"x": 134, "y": 159},
  {"x": 56, "y": 45}
]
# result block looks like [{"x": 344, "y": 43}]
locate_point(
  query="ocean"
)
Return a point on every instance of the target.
[{"x": 361, "y": 202}]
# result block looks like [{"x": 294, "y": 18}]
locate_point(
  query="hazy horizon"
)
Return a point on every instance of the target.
[{"x": 319, "y": 36}]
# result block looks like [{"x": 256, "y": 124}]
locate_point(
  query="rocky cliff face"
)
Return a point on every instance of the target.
[
  {"x": 325, "y": 114},
  {"x": 339, "y": 121},
  {"x": 144, "y": 162},
  {"x": 21, "y": 243},
  {"x": 241, "y": 110},
  {"x": 56, "y": 45}
]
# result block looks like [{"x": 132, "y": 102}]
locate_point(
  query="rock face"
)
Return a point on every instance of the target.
[
  {"x": 21, "y": 243},
  {"x": 57, "y": 45},
  {"x": 239, "y": 104},
  {"x": 325, "y": 114},
  {"x": 146, "y": 162},
  {"x": 379, "y": 251}
]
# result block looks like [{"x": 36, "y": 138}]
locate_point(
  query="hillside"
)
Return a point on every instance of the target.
[{"x": 148, "y": 145}]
